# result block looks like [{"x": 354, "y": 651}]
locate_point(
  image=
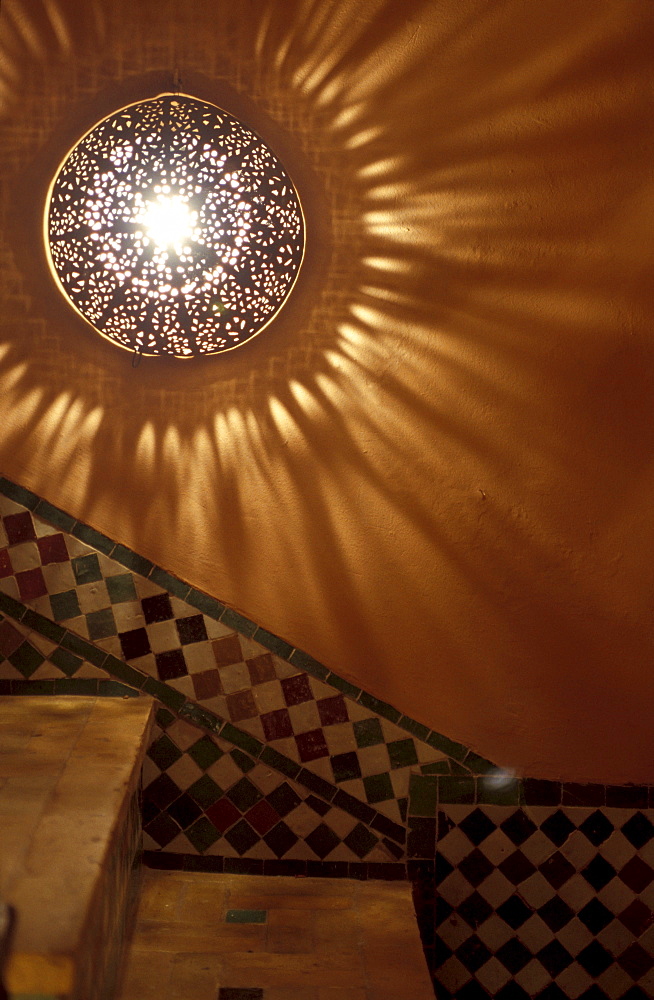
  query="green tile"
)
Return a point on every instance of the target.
[
  {"x": 121, "y": 588},
  {"x": 93, "y": 538},
  {"x": 54, "y": 516},
  {"x": 273, "y": 758},
  {"x": 126, "y": 557},
  {"x": 423, "y": 795},
  {"x": 205, "y": 791},
  {"x": 499, "y": 789},
  {"x": 368, "y": 732},
  {"x": 209, "y": 606},
  {"x": 378, "y": 788},
  {"x": 67, "y": 662},
  {"x": 361, "y": 840},
  {"x": 86, "y": 568},
  {"x": 242, "y": 761},
  {"x": 123, "y": 672},
  {"x": 171, "y": 583},
  {"x": 164, "y": 752},
  {"x": 11, "y": 607},
  {"x": 101, "y": 624},
  {"x": 303, "y": 661},
  {"x": 379, "y": 707},
  {"x": 273, "y": 643},
  {"x": 442, "y": 743},
  {"x": 402, "y": 753},
  {"x": 114, "y": 689},
  {"x": 238, "y": 622},
  {"x": 83, "y": 648},
  {"x": 36, "y": 688},
  {"x": 26, "y": 659},
  {"x": 166, "y": 695},
  {"x": 477, "y": 764},
  {"x": 246, "y": 916},
  {"x": 18, "y": 493},
  {"x": 202, "y": 834},
  {"x": 241, "y": 739},
  {"x": 415, "y": 728},
  {"x": 456, "y": 790},
  {"x": 164, "y": 717},
  {"x": 349, "y": 689},
  {"x": 65, "y": 605},
  {"x": 201, "y": 717},
  {"x": 205, "y": 752},
  {"x": 42, "y": 625},
  {"x": 438, "y": 767},
  {"x": 76, "y": 685}
]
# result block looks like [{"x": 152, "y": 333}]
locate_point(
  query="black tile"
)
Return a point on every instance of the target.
[
  {"x": 442, "y": 868},
  {"x": 517, "y": 867},
  {"x": 595, "y": 916},
  {"x": 164, "y": 718},
  {"x": 368, "y": 732},
  {"x": 171, "y": 665},
  {"x": 598, "y": 873},
  {"x": 555, "y": 913},
  {"x": 597, "y": 828},
  {"x": 476, "y": 826},
  {"x": 421, "y": 837},
  {"x": 472, "y": 991},
  {"x": 583, "y": 795},
  {"x": 162, "y": 791},
  {"x": 638, "y": 830},
  {"x": 594, "y": 993},
  {"x": 164, "y": 752},
  {"x": 284, "y": 799},
  {"x": 635, "y": 993},
  {"x": 203, "y": 835},
  {"x": 157, "y": 608},
  {"x": 626, "y": 796},
  {"x": 345, "y": 766},
  {"x": 512, "y": 991},
  {"x": 162, "y": 829},
  {"x": 322, "y": 840},
  {"x": 361, "y": 840},
  {"x": 134, "y": 643},
  {"x": 288, "y": 867},
  {"x": 242, "y": 761},
  {"x": 148, "y": 812},
  {"x": 205, "y": 791},
  {"x": 244, "y": 794},
  {"x": 594, "y": 959},
  {"x": 184, "y": 811},
  {"x": 242, "y": 837},
  {"x": 394, "y": 848},
  {"x": 557, "y": 870},
  {"x": 280, "y": 839},
  {"x": 474, "y": 910},
  {"x": 191, "y": 629},
  {"x": 554, "y": 958},
  {"x": 476, "y": 868},
  {"x": 636, "y": 961},
  {"x": 386, "y": 826},
  {"x": 473, "y": 953},
  {"x": 205, "y": 752},
  {"x": 513, "y": 955},
  {"x": 514, "y": 912},
  {"x": 637, "y": 874},
  {"x": 242, "y": 866},
  {"x": 557, "y": 828},
  {"x": 518, "y": 827},
  {"x": 552, "y": 992}
]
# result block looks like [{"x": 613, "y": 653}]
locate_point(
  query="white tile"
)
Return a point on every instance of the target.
[
  {"x": 533, "y": 978},
  {"x": 536, "y": 890},
  {"x": 77, "y": 548},
  {"x": 8, "y": 506},
  {"x": 575, "y": 936},
  {"x": 24, "y": 556},
  {"x": 128, "y": 615},
  {"x": 198, "y": 655},
  {"x": 340, "y": 822},
  {"x": 454, "y": 931},
  {"x": 496, "y": 888},
  {"x": 304, "y": 717},
  {"x": 400, "y": 781},
  {"x": 454, "y": 973},
  {"x": 578, "y": 850},
  {"x": 59, "y": 577},
  {"x": 235, "y": 677},
  {"x": 493, "y": 976},
  {"x": 162, "y": 635},
  {"x": 214, "y": 629},
  {"x": 574, "y": 981},
  {"x": 302, "y": 820},
  {"x": 268, "y": 697},
  {"x": 94, "y": 597},
  {"x": 373, "y": 760},
  {"x": 42, "y": 529},
  {"x": 455, "y": 888},
  {"x": 340, "y": 739},
  {"x": 497, "y": 847},
  {"x": 265, "y": 778},
  {"x": 537, "y": 848},
  {"x": 534, "y": 933},
  {"x": 615, "y": 938},
  {"x": 618, "y": 851},
  {"x": 9, "y": 586},
  {"x": 494, "y": 932},
  {"x": 615, "y": 982}
]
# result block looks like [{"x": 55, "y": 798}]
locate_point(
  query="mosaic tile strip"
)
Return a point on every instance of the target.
[
  {"x": 85, "y": 579},
  {"x": 202, "y": 796},
  {"x": 542, "y": 902}
]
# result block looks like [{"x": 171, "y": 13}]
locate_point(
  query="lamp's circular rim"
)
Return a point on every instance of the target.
[{"x": 73, "y": 305}]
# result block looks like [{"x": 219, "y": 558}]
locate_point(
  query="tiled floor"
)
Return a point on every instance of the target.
[{"x": 241, "y": 937}]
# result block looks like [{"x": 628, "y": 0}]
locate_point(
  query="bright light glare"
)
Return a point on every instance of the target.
[{"x": 168, "y": 221}]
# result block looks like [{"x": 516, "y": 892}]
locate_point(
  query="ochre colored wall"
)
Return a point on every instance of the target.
[{"x": 434, "y": 471}]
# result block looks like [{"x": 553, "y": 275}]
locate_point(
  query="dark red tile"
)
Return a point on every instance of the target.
[
  {"x": 207, "y": 684},
  {"x": 6, "y": 568},
  {"x": 134, "y": 643},
  {"x": 296, "y": 689},
  {"x": 52, "y": 549},
  {"x": 10, "y": 638},
  {"x": 636, "y": 961},
  {"x": 241, "y": 706},
  {"x": 277, "y": 724},
  {"x": 637, "y": 917},
  {"x": 31, "y": 584},
  {"x": 312, "y": 745},
  {"x": 261, "y": 668},
  {"x": 637, "y": 874},
  {"x": 227, "y": 650},
  {"x": 262, "y": 817},
  {"x": 19, "y": 528},
  {"x": 332, "y": 710},
  {"x": 223, "y": 814}
]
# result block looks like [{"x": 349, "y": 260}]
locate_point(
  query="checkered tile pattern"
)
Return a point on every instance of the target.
[
  {"x": 235, "y": 677},
  {"x": 202, "y": 796},
  {"x": 28, "y": 655},
  {"x": 544, "y": 902}
]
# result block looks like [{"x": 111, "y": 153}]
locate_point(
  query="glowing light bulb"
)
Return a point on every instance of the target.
[{"x": 168, "y": 221}]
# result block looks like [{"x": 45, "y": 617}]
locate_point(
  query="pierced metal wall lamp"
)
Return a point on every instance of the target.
[{"x": 173, "y": 229}]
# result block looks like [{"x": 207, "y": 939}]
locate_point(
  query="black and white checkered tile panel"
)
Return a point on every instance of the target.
[{"x": 544, "y": 902}]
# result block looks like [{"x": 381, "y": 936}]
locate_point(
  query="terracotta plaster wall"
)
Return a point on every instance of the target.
[{"x": 433, "y": 472}]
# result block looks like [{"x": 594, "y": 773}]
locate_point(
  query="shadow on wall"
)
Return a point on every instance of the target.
[{"x": 460, "y": 173}]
